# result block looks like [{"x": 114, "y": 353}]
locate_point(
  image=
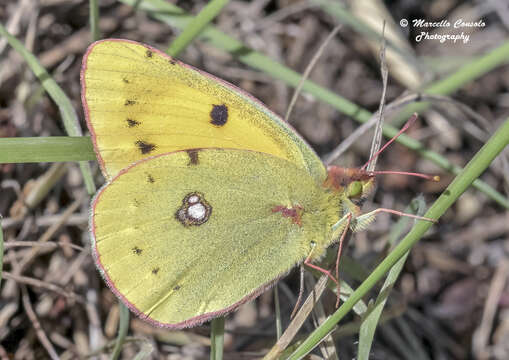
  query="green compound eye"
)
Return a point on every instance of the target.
[{"x": 354, "y": 189}]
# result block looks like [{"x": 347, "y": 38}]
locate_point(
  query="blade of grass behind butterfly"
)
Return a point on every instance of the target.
[
  {"x": 174, "y": 16},
  {"x": 473, "y": 170},
  {"x": 217, "y": 338},
  {"x": 95, "y": 32},
  {"x": 69, "y": 117},
  {"x": 371, "y": 317},
  {"x": 123, "y": 327},
  {"x": 46, "y": 149},
  {"x": 196, "y": 26}
]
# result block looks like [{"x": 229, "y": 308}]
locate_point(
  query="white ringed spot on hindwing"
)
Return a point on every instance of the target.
[{"x": 194, "y": 211}]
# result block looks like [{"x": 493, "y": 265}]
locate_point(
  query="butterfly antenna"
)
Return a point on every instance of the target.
[
  {"x": 405, "y": 127},
  {"x": 424, "y": 176}
]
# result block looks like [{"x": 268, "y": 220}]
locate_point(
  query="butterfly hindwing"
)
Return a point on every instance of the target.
[{"x": 196, "y": 233}]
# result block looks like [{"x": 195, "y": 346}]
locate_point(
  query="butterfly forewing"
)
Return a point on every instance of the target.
[{"x": 139, "y": 103}]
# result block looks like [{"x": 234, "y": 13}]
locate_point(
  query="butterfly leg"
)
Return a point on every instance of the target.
[
  {"x": 338, "y": 228},
  {"x": 364, "y": 220},
  {"x": 324, "y": 271}
]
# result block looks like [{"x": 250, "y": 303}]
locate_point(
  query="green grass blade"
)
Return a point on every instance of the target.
[
  {"x": 217, "y": 338},
  {"x": 46, "y": 149},
  {"x": 94, "y": 20},
  {"x": 466, "y": 74},
  {"x": 69, "y": 117},
  {"x": 174, "y": 16},
  {"x": 471, "y": 172},
  {"x": 371, "y": 318},
  {"x": 196, "y": 26},
  {"x": 123, "y": 327}
]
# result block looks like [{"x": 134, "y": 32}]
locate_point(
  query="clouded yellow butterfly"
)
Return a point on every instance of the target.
[{"x": 210, "y": 197}]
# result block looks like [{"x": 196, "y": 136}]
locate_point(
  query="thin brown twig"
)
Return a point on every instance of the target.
[
  {"x": 48, "y": 234},
  {"x": 73, "y": 268},
  {"x": 298, "y": 320},
  {"x": 48, "y": 245},
  {"x": 377, "y": 137},
  {"x": 41, "y": 335},
  {"x": 43, "y": 285},
  {"x": 481, "y": 336},
  {"x": 43, "y": 221},
  {"x": 327, "y": 347},
  {"x": 310, "y": 67}
]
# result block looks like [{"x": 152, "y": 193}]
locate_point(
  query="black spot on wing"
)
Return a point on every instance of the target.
[
  {"x": 137, "y": 250},
  {"x": 132, "y": 123},
  {"x": 149, "y": 53},
  {"x": 145, "y": 147},
  {"x": 173, "y": 62},
  {"x": 125, "y": 80},
  {"x": 176, "y": 288},
  {"x": 155, "y": 271},
  {"x": 219, "y": 115},
  {"x": 129, "y": 102},
  {"x": 150, "y": 179},
  {"x": 193, "y": 157}
]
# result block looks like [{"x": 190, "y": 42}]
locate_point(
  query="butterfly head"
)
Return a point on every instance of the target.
[{"x": 354, "y": 184}]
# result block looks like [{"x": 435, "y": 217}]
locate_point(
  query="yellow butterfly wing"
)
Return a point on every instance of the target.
[
  {"x": 187, "y": 236},
  {"x": 139, "y": 102}
]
